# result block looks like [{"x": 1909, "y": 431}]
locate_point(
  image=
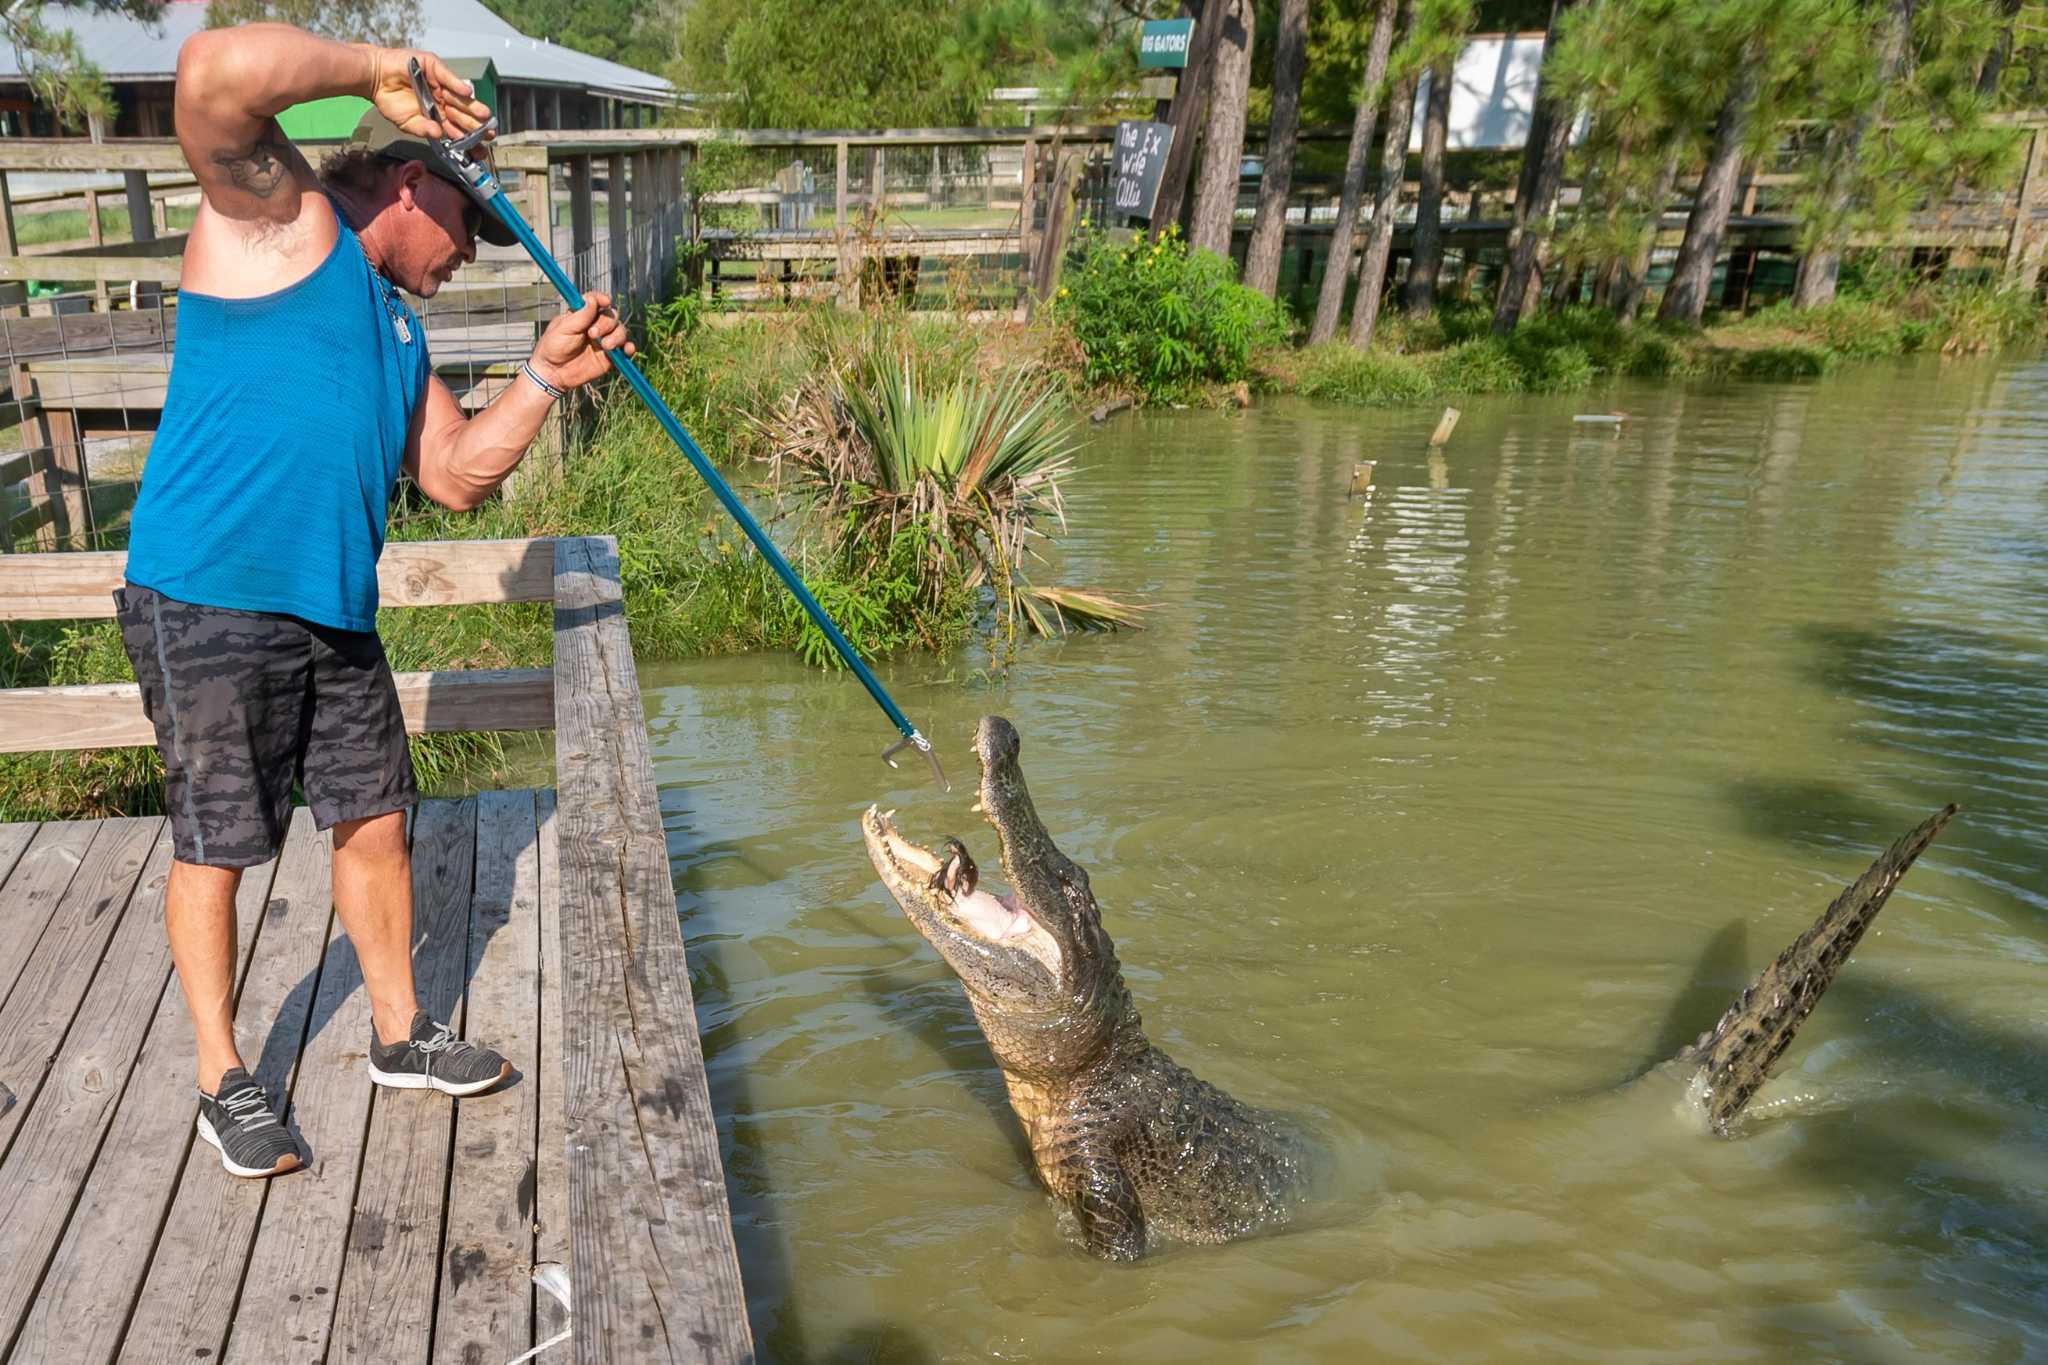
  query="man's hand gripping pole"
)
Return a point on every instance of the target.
[{"x": 468, "y": 158}]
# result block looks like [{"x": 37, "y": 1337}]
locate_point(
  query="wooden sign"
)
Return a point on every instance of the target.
[
  {"x": 1141, "y": 150},
  {"x": 1165, "y": 42}
]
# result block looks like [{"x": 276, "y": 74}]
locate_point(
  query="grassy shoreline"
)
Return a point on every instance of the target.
[{"x": 694, "y": 588}]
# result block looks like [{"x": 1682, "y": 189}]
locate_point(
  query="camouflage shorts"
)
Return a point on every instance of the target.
[{"x": 246, "y": 704}]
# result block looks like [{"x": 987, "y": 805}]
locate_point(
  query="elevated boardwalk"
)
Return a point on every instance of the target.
[{"x": 544, "y": 921}]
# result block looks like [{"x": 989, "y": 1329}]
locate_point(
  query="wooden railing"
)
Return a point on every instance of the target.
[
  {"x": 411, "y": 574},
  {"x": 649, "y": 1240}
]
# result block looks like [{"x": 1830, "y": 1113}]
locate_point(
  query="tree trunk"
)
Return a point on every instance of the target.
[
  {"x": 1821, "y": 266},
  {"x": 1330, "y": 301},
  {"x": 1386, "y": 205},
  {"x": 1418, "y": 295},
  {"x": 1536, "y": 197},
  {"x": 1187, "y": 114},
  {"x": 1635, "y": 276},
  {"x": 1223, "y": 138},
  {"x": 2001, "y": 52},
  {"x": 1705, "y": 226},
  {"x": 1269, "y": 226}
]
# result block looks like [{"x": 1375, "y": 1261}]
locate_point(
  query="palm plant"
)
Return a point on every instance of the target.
[{"x": 889, "y": 445}]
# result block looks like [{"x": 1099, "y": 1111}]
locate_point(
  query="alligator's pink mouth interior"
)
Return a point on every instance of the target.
[{"x": 985, "y": 914}]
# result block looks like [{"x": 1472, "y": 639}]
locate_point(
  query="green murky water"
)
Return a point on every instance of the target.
[{"x": 1435, "y": 818}]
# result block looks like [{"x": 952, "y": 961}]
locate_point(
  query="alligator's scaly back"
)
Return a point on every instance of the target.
[{"x": 1735, "y": 1056}]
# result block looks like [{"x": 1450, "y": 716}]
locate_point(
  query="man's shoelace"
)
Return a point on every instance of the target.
[
  {"x": 444, "y": 1040},
  {"x": 248, "y": 1109}
]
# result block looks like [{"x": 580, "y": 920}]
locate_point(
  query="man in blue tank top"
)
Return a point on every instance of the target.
[{"x": 299, "y": 389}]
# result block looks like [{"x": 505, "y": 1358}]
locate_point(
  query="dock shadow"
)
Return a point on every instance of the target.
[
  {"x": 937, "y": 1014},
  {"x": 876, "y": 1344}
]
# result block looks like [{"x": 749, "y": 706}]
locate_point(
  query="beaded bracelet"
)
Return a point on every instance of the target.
[{"x": 526, "y": 368}]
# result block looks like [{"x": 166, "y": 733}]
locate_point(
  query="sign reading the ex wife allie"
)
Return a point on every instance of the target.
[{"x": 1140, "y": 157}]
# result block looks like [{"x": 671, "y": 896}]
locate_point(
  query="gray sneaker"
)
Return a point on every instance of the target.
[
  {"x": 237, "y": 1119},
  {"x": 433, "y": 1058}
]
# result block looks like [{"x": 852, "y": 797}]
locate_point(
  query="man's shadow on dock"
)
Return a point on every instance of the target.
[{"x": 312, "y": 1003}]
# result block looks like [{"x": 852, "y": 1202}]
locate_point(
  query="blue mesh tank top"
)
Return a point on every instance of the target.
[{"x": 268, "y": 483}]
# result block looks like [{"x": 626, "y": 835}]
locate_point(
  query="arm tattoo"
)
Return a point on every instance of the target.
[{"x": 259, "y": 168}]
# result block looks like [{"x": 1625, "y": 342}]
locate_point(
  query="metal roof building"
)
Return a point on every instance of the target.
[{"x": 540, "y": 84}]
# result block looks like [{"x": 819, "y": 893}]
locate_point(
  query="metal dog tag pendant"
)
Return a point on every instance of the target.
[{"x": 404, "y": 329}]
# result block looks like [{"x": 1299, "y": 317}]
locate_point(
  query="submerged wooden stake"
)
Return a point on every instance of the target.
[
  {"x": 1447, "y": 424},
  {"x": 1361, "y": 478}
]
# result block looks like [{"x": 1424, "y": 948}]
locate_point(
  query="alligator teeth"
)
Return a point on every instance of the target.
[{"x": 978, "y": 809}]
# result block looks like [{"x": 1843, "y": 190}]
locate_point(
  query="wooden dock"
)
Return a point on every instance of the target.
[{"x": 545, "y": 925}]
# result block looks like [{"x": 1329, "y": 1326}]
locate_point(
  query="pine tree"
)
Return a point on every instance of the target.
[
  {"x": 1418, "y": 293},
  {"x": 1372, "y": 272},
  {"x": 1330, "y": 300},
  {"x": 1821, "y": 263},
  {"x": 1269, "y": 225},
  {"x": 1223, "y": 138},
  {"x": 1542, "y": 178}
]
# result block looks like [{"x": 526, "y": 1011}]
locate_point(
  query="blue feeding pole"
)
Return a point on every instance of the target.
[{"x": 458, "y": 155}]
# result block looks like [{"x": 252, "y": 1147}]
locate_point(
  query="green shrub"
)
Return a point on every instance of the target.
[
  {"x": 1339, "y": 371},
  {"x": 1781, "y": 362},
  {"x": 1161, "y": 318},
  {"x": 1486, "y": 364}
]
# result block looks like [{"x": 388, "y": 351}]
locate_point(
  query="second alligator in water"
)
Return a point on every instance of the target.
[{"x": 1142, "y": 1150}]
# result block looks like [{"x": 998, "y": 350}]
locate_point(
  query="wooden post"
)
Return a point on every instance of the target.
[
  {"x": 141, "y": 227},
  {"x": 1059, "y": 222},
  {"x": 673, "y": 167},
  {"x": 1447, "y": 424},
  {"x": 64, "y": 479},
  {"x": 621, "y": 228},
  {"x": 92, "y": 230},
  {"x": 540, "y": 204},
  {"x": 653, "y": 269},
  {"x": 8, "y": 245},
  {"x": 1027, "y": 186},
  {"x": 2023, "y": 244},
  {"x": 579, "y": 218},
  {"x": 838, "y": 200},
  {"x": 876, "y": 194}
]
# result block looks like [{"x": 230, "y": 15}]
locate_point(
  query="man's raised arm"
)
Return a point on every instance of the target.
[{"x": 233, "y": 82}]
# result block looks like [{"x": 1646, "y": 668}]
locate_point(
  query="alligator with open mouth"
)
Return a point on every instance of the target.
[{"x": 1140, "y": 1149}]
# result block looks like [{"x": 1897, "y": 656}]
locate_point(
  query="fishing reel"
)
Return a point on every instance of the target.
[{"x": 469, "y": 156}]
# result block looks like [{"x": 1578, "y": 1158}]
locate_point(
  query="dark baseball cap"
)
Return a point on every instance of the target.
[{"x": 387, "y": 139}]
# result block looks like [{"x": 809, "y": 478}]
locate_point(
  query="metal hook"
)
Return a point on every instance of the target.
[{"x": 923, "y": 746}]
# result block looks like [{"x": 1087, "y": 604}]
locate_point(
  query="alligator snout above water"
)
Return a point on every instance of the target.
[{"x": 1138, "y": 1148}]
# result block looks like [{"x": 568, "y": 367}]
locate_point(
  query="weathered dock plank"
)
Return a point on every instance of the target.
[
  {"x": 32, "y": 891},
  {"x": 485, "y": 1309},
  {"x": 651, "y": 1257},
  {"x": 61, "y": 1125},
  {"x": 187, "y": 1298},
  {"x": 294, "y": 1267},
  {"x": 551, "y": 1197},
  {"x": 93, "y": 1279},
  {"x": 384, "y": 1309},
  {"x": 65, "y": 963},
  {"x": 14, "y": 841}
]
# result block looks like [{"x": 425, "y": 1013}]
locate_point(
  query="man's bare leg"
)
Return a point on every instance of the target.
[
  {"x": 373, "y": 896},
  {"x": 199, "y": 921}
]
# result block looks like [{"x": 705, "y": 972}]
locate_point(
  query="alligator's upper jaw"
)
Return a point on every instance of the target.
[{"x": 911, "y": 872}]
